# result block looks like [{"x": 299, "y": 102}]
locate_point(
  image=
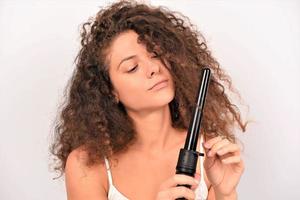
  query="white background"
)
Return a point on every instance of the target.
[{"x": 256, "y": 42}]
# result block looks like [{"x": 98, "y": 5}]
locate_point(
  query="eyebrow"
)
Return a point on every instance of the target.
[{"x": 129, "y": 57}]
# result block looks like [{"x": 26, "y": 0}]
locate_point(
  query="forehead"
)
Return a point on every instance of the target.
[{"x": 124, "y": 45}]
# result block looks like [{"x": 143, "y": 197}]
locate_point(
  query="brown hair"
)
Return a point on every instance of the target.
[{"x": 91, "y": 118}]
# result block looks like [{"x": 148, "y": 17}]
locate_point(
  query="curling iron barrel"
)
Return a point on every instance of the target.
[{"x": 188, "y": 156}]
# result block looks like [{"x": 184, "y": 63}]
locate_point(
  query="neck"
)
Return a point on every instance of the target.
[{"x": 154, "y": 130}]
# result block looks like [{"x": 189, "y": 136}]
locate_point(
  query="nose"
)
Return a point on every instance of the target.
[{"x": 152, "y": 68}]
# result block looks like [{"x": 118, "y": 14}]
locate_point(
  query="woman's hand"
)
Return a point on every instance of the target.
[
  {"x": 223, "y": 164},
  {"x": 169, "y": 190}
]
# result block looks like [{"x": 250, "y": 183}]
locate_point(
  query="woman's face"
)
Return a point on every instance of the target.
[{"x": 134, "y": 71}]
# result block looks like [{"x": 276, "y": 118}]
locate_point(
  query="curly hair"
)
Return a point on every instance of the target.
[{"x": 91, "y": 118}]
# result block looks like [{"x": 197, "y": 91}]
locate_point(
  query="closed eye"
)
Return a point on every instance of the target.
[{"x": 133, "y": 69}]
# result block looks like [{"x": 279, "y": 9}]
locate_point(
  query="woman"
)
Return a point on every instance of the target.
[{"x": 129, "y": 106}]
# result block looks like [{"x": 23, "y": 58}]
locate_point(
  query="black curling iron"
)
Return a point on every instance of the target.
[{"x": 188, "y": 156}]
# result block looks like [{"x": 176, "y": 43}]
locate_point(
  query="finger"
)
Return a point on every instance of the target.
[
  {"x": 232, "y": 159},
  {"x": 217, "y": 146},
  {"x": 194, "y": 187},
  {"x": 181, "y": 191},
  {"x": 208, "y": 144},
  {"x": 231, "y": 148},
  {"x": 179, "y": 179}
]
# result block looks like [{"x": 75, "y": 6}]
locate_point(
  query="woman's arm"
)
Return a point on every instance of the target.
[
  {"x": 212, "y": 195},
  {"x": 84, "y": 183}
]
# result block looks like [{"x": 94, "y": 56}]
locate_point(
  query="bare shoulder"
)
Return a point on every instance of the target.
[{"x": 83, "y": 182}]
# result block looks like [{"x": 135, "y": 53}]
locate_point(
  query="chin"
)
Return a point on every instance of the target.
[{"x": 162, "y": 99}]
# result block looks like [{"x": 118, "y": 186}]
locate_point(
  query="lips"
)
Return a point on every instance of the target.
[{"x": 158, "y": 83}]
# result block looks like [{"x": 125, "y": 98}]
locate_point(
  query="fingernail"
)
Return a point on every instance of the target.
[{"x": 206, "y": 145}]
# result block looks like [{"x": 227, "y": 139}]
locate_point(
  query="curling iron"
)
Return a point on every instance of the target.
[{"x": 188, "y": 156}]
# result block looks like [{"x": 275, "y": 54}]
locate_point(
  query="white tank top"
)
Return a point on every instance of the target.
[{"x": 201, "y": 191}]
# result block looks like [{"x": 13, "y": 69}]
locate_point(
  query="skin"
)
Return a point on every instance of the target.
[
  {"x": 151, "y": 115},
  {"x": 223, "y": 166}
]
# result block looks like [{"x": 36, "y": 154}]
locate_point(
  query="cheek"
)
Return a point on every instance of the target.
[{"x": 131, "y": 90}]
